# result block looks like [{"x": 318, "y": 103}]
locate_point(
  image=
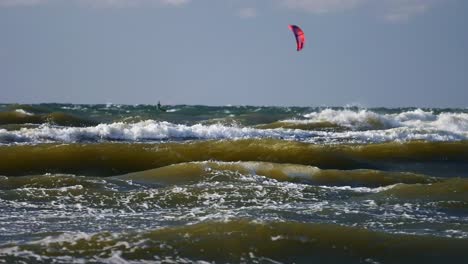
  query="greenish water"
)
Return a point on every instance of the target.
[{"x": 132, "y": 184}]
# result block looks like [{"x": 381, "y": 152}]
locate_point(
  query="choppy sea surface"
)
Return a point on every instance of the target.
[{"x": 232, "y": 184}]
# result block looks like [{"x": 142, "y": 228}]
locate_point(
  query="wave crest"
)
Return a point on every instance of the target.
[
  {"x": 414, "y": 119},
  {"x": 185, "y": 172}
]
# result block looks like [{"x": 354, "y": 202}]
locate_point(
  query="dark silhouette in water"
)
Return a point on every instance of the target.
[{"x": 160, "y": 108}]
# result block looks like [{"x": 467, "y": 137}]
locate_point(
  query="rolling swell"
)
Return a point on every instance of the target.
[
  {"x": 107, "y": 159},
  {"x": 113, "y": 159},
  {"x": 454, "y": 189},
  {"x": 189, "y": 172},
  {"x": 240, "y": 241}
]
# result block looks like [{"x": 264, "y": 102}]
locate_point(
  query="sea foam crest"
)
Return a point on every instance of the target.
[
  {"x": 23, "y": 112},
  {"x": 358, "y": 119},
  {"x": 443, "y": 127},
  {"x": 414, "y": 119},
  {"x": 144, "y": 130}
]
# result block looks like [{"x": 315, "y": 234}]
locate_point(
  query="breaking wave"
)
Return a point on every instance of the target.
[
  {"x": 151, "y": 130},
  {"x": 367, "y": 119}
]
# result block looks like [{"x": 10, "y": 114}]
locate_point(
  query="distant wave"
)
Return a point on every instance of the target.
[
  {"x": 23, "y": 112},
  {"x": 20, "y": 116}
]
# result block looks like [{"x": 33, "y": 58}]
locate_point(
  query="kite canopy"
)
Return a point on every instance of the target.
[{"x": 300, "y": 37}]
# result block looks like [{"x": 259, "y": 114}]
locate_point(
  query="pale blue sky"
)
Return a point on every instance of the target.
[{"x": 216, "y": 52}]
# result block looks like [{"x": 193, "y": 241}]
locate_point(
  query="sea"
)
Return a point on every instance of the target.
[{"x": 117, "y": 183}]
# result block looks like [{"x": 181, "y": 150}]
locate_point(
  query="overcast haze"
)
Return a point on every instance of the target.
[{"x": 367, "y": 52}]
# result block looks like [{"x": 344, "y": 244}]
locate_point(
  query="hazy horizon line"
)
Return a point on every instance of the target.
[{"x": 359, "y": 106}]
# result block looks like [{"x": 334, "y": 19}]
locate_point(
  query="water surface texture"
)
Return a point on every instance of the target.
[{"x": 134, "y": 184}]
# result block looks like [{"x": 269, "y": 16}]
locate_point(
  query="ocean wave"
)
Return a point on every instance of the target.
[
  {"x": 194, "y": 171},
  {"x": 105, "y": 159},
  {"x": 20, "y": 116},
  {"x": 23, "y": 112},
  {"x": 239, "y": 241},
  {"x": 362, "y": 119},
  {"x": 366, "y": 119},
  {"x": 454, "y": 189},
  {"x": 32, "y": 109},
  {"x": 151, "y": 130},
  {"x": 145, "y": 130}
]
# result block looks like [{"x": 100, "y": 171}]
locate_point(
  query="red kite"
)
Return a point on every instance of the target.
[{"x": 300, "y": 37}]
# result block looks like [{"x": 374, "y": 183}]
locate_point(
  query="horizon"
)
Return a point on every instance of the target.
[{"x": 344, "y": 107}]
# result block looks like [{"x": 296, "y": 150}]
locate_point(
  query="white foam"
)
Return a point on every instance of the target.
[
  {"x": 69, "y": 237},
  {"x": 349, "y": 118},
  {"x": 145, "y": 130},
  {"x": 402, "y": 127},
  {"x": 414, "y": 115},
  {"x": 21, "y": 111},
  {"x": 415, "y": 119},
  {"x": 402, "y": 134},
  {"x": 74, "y": 107},
  {"x": 359, "y": 189}
]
